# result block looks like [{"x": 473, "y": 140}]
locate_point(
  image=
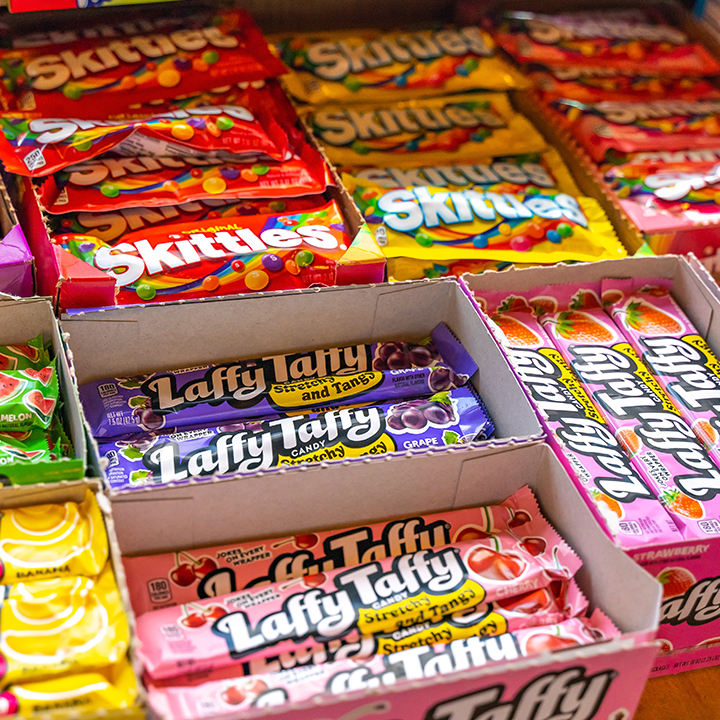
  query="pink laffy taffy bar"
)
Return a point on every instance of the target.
[
  {"x": 680, "y": 360},
  {"x": 477, "y": 587},
  {"x": 221, "y": 696},
  {"x": 184, "y": 576},
  {"x": 663, "y": 448},
  {"x": 621, "y": 498}
]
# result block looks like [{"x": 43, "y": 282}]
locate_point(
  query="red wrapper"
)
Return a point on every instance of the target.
[
  {"x": 107, "y": 74},
  {"x": 113, "y": 182},
  {"x": 45, "y": 145}
]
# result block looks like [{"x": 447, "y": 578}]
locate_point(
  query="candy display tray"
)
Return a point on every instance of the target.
[
  {"x": 20, "y": 320},
  {"x": 609, "y": 677},
  {"x": 74, "y": 491},
  {"x": 692, "y": 634}
]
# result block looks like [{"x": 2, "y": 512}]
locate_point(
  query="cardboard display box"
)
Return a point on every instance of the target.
[
  {"x": 134, "y": 340},
  {"x": 21, "y": 496},
  {"x": 603, "y": 681},
  {"x": 20, "y": 320},
  {"x": 689, "y": 624}
]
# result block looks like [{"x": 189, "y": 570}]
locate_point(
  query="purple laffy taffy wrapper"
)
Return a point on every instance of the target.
[
  {"x": 273, "y": 385},
  {"x": 446, "y": 418}
]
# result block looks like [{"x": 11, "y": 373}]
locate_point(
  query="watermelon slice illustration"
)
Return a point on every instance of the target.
[
  {"x": 35, "y": 400},
  {"x": 10, "y": 387},
  {"x": 44, "y": 375},
  {"x": 16, "y": 434},
  {"x": 7, "y": 362},
  {"x": 30, "y": 352}
]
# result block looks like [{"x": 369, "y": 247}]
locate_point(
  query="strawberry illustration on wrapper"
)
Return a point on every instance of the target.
[
  {"x": 42, "y": 146},
  {"x": 620, "y": 498},
  {"x": 678, "y": 357},
  {"x": 442, "y": 586},
  {"x": 666, "y": 453}
]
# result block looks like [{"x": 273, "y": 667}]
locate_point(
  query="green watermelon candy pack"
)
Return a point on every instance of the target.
[
  {"x": 24, "y": 446},
  {"x": 20, "y": 357},
  {"x": 28, "y": 398}
]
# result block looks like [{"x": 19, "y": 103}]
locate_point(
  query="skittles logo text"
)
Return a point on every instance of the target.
[
  {"x": 381, "y": 600},
  {"x": 680, "y": 156},
  {"x": 698, "y": 605},
  {"x": 97, "y": 170},
  {"x": 426, "y": 662},
  {"x": 546, "y": 32},
  {"x": 333, "y": 61},
  {"x": 569, "y": 694},
  {"x": 625, "y": 113},
  {"x": 460, "y": 175},
  {"x": 624, "y": 395},
  {"x": 675, "y": 186},
  {"x": 408, "y": 209},
  {"x": 216, "y": 242},
  {"x": 343, "y": 127},
  {"x": 284, "y": 441},
  {"x": 51, "y": 71},
  {"x": 56, "y": 130},
  {"x": 580, "y": 433}
]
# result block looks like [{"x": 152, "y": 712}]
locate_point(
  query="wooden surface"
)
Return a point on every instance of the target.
[{"x": 693, "y": 695}]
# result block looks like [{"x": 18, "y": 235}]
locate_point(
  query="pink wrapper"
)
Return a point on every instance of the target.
[
  {"x": 157, "y": 581},
  {"x": 624, "y": 503},
  {"x": 662, "y": 447},
  {"x": 222, "y": 696},
  {"x": 443, "y": 590}
]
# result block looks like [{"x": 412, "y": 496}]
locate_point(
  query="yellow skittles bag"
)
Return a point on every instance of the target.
[
  {"x": 430, "y": 131},
  {"x": 366, "y": 65},
  {"x": 69, "y": 624},
  {"x": 438, "y": 225},
  {"x": 114, "y": 687},
  {"x": 53, "y": 540}
]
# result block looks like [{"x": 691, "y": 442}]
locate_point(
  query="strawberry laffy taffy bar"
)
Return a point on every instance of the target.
[
  {"x": 625, "y": 504},
  {"x": 472, "y": 587},
  {"x": 662, "y": 447}
]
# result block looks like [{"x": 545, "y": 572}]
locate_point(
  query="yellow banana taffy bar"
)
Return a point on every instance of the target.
[
  {"x": 362, "y": 65},
  {"x": 437, "y": 225},
  {"x": 430, "y": 131},
  {"x": 63, "y": 625},
  {"x": 53, "y": 540},
  {"x": 113, "y": 687}
]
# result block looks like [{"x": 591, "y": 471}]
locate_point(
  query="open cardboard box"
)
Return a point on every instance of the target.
[
  {"x": 20, "y": 320},
  {"x": 605, "y": 679},
  {"x": 21, "y": 496},
  {"x": 690, "y": 624},
  {"x": 133, "y": 340}
]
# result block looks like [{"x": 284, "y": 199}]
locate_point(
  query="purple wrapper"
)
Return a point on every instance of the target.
[
  {"x": 215, "y": 394},
  {"x": 446, "y": 418}
]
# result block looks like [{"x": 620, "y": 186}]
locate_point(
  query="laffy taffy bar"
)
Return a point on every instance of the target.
[
  {"x": 446, "y": 418},
  {"x": 454, "y": 588},
  {"x": 366, "y": 372},
  {"x": 184, "y": 702},
  {"x": 209, "y": 572}
]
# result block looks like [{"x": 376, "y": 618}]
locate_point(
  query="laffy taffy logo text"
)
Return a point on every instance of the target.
[
  {"x": 543, "y": 374},
  {"x": 626, "y": 390},
  {"x": 698, "y": 605},
  {"x": 335, "y": 60},
  {"x": 405, "y": 210},
  {"x": 285, "y": 441},
  {"x": 569, "y": 694},
  {"x": 424, "y": 586}
]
